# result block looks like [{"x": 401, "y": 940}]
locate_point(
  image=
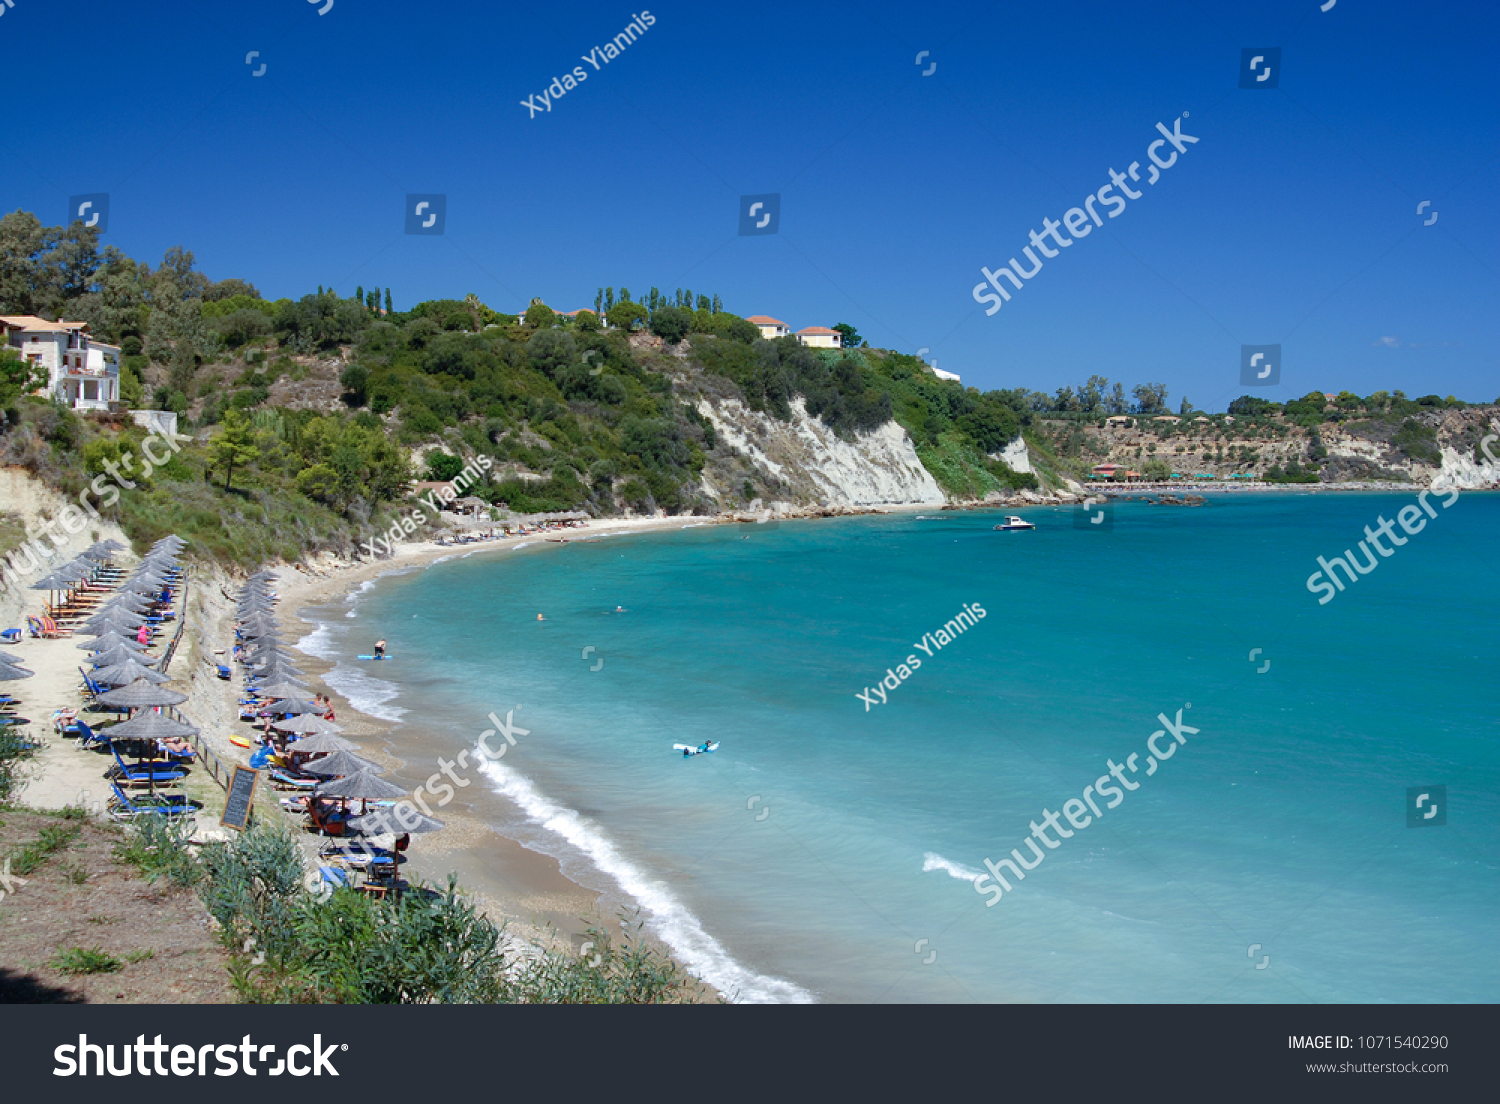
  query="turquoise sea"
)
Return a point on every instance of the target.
[{"x": 828, "y": 850}]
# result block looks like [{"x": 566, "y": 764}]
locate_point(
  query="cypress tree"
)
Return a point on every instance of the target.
[{"x": 388, "y": 309}]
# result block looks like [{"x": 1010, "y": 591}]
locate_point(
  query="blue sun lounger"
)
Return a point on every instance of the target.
[
  {"x": 157, "y": 772},
  {"x": 124, "y": 807}
]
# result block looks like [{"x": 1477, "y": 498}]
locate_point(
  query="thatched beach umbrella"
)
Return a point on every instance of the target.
[
  {"x": 295, "y": 705},
  {"x": 118, "y": 653},
  {"x": 110, "y": 639},
  {"x": 122, "y": 621},
  {"x": 14, "y": 674},
  {"x": 278, "y": 670},
  {"x": 133, "y": 603},
  {"x": 321, "y": 743},
  {"x": 123, "y": 674},
  {"x": 341, "y": 764},
  {"x": 306, "y": 724},
  {"x": 149, "y": 725},
  {"x": 285, "y": 688},
  {"x": 365, "y": 785},
  {"x": 383, "y": 822},
  {"x": 141, "y": 694}
]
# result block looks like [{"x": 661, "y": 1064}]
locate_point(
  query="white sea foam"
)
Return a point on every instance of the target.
[
  {"x": 318, "y": 643},
  {"x": 365, "y": 693},
  {"x": 933, "y": 861},
  {"x": 670, "y": 919}
]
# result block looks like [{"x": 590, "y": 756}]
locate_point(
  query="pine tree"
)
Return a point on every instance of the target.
[
  {"x": 320, "y": 291},
  {"x": 233, "y": 446},
  {"x": 388, "y": 308}
]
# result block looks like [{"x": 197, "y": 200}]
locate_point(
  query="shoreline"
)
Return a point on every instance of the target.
[{"x": 518, "y": 885}]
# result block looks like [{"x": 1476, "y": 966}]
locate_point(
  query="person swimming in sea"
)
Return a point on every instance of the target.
[{"x": 539, "y": 617}]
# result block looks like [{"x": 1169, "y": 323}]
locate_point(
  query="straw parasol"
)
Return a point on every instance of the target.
[
  {"x": 306, "y": 724},
  {"x": 118, "y": 653},
  {"x": 384, "y": 822},
  {"x": 364, "y": 784},
  {"x": 342, "y": 764},
  {"x": 149, "y": 725},
  {"x": 141, "y": 694},
  {"x": 286, "y": 688},
  {"x": 122, "y": 621},
  {"x": 322, "y": 743},
  {"x": 14, "y": 674},
  {"x": 294, "y": 705},
  {"x": 109, "y": 640},
  {"x": 123, "y": 674},
  {"x": 277, "y": 670}
]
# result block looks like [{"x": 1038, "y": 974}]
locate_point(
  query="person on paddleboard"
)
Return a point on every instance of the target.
[{"x": 380, "y": 649}]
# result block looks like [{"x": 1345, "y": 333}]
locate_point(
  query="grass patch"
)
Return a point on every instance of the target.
[
  {"x": 85, "y": 960},
  {"x": 158, "y": 849},
  {"x": 52, "y": 839},
  {"x": 134, "y": 957}
]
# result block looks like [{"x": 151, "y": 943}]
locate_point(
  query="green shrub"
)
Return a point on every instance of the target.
[{"x": 85, "y": 960}]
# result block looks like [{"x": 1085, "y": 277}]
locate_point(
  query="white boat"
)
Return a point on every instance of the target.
[{"x": 1013, "y": 522}]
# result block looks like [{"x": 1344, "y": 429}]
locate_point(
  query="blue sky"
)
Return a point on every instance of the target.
[{"x": 1292, "y": 221}]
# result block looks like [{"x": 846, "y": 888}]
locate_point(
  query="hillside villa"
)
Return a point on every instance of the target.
[{"x": 81, "y": 372}]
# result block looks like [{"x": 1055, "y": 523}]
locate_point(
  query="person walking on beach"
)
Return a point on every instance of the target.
[{"x": 380, "y": 649}]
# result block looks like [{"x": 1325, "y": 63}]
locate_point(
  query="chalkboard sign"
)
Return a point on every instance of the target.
[{"x": 240, "y": 799}]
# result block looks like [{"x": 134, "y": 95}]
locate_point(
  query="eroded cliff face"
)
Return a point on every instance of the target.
[{"x": 804, "y": 463}]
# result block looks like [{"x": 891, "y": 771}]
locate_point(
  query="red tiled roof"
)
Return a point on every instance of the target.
[
  {"x": 765, "y": 320},
  {"x": 819, "y": 330}
]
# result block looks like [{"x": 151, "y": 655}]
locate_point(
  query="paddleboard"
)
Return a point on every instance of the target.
[
  {"x": 695, "y": 749},
  {"x": 239, "y": 741},
  {"x": 377, "y": 659}
]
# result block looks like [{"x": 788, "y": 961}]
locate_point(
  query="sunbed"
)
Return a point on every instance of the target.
[
  {"x": 157, "y": 772},
  {"x": 125, "y": 807}
]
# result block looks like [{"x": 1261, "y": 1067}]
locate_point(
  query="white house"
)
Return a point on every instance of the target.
[
  {"x": 820, "y": 337},
  {"x": 769, "y": 327},
  {"x": 81, "y": 372}
]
